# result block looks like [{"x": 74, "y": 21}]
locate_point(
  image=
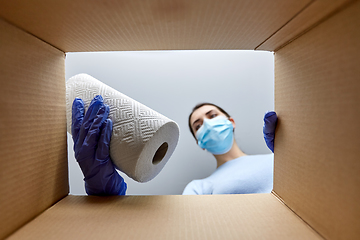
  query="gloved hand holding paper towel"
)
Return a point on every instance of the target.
[{"x": 142, "y": 140}]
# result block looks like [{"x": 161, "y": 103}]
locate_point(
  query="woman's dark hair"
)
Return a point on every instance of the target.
[{"x": 199, "y": 106}]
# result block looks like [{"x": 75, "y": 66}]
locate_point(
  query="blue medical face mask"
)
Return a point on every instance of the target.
[{"x": 216, "y": 135}]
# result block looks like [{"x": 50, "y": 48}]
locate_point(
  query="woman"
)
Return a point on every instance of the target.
[{"x": 236, "y": 172}]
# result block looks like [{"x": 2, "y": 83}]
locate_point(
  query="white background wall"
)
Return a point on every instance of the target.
[{"x": 172, "y": 83}]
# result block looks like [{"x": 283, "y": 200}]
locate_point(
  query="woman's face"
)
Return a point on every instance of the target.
[{"x": 206, "y": 111}]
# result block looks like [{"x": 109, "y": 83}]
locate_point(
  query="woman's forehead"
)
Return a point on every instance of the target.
[{"x": 201, "y": 111}]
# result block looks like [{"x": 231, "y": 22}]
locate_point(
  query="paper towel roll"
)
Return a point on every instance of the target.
[{"x": 142, "y": 140}]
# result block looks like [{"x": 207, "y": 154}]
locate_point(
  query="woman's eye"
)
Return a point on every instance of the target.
[
  {"x": 197, "y": 127},
  {"x": 213, "y": 115}
]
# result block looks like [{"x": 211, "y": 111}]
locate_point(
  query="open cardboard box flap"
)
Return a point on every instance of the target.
[{"x": 317, "y": 95}]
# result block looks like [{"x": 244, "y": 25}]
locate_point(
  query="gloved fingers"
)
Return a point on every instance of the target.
[
  {"x": 90, "y": 115},
  {"x": 123, "y": 187},
  {"x": 103, "y": 149},
  {"x": 78, "y": 110},
  {"x": 94, "y": 107},
  {"x": 92, "y": 138},
  {"x": 270, "y": 121},
  {"x": 270, "y": 143}
]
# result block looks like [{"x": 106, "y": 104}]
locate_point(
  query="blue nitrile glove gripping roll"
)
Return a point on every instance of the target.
[
  {"x": 270, "y": 122},
  {"x": 91, "y": 134},
  {"x": 142, "y": 139}
]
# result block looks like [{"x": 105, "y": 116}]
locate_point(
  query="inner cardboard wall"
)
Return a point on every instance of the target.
[
  {"x": 33, "y": 166},
  {"x": 82, "y": 26},
  {"x": 317, "y": 98},
  {"x": 317, "y": 77},
  {"x": 314, "y": 12},
  {"x": 211, "y": 217}
]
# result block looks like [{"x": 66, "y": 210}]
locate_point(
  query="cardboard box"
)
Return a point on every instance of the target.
[{"x": 317, "y": 96}]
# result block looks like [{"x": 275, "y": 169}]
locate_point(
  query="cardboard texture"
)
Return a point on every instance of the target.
[
  {"x": 78, "y": 26},
  {"x": 252, "y": 216},
  {"x": 33, "y": 166},
  {"x": 309, "y": 16},
  {"x": 317, "y": 95}
]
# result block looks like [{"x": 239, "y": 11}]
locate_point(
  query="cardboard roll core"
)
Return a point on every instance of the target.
[{"x": 160, "y": 153}]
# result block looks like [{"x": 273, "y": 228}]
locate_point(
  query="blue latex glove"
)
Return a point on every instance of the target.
[
  {"x": 91, "y": 134},
  {"x": 270, "y": 121}
]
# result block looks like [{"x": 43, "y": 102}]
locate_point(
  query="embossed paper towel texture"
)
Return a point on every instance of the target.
[{"x": 142, "y": 139}]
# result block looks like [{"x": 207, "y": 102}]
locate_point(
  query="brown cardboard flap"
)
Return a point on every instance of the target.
[
  {"x": 308, "y": 17},
  {"x": 33, "y": 166},
  {"x": 253, "y": 216},
  {"x": 81, "y": 25},
  {"x": 317, "y": 144}
]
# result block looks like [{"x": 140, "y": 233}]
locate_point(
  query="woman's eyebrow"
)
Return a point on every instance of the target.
[
  {"x": 195, "y": 121},
  {"x": 209, "y": 112}
]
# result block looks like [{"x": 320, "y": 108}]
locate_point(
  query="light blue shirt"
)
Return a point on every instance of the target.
[{"x": 247, "y": 174}]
